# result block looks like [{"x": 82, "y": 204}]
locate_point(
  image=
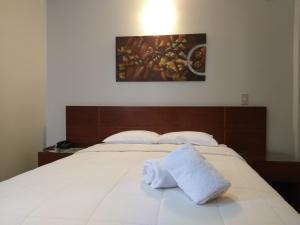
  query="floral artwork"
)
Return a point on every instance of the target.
[{"x": 179, "y": 57}]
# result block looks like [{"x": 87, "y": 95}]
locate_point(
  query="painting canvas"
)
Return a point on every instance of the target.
[{"x": 180, "y": 57}]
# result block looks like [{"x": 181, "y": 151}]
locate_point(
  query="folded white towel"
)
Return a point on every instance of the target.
[
  {"x": 156, "y": 175},
  {"x": 195, "y": 175}
]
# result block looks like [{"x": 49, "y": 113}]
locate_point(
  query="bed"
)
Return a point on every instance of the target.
[{"x": 102, "y": 184}]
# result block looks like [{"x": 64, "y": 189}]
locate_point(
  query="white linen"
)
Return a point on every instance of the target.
[
  {"x": 156, "y": 175},
  {"x": 184, "y": 137},
  {"x": 195, "y": 175},
  {"x": 101, "y": 186},
  {"x": 207, "y": 150},
  {"x": 133, "y": 137}
]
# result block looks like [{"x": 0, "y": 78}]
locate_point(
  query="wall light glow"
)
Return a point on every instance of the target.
[{"x": 159, "y": 17}]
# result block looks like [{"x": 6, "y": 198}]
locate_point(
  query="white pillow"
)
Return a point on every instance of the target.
[
  {"x": 133, "y": 137},
  {"x": 183, "y": 137}
]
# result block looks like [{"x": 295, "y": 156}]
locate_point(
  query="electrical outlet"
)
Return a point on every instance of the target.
[{"x": 244, "y": 99}]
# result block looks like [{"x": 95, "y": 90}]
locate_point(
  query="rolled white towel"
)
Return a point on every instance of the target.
[
  {"x": 195, "y": 175},
  {"x": 156, "y": 175}
]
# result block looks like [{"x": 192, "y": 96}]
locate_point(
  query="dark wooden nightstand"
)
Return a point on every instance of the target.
[
  {"x": 48, "y": 156},
  {"x": 283, "y": 174}
]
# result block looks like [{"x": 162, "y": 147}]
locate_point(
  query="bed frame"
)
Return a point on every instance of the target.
[{"x": 241, "y": 128}]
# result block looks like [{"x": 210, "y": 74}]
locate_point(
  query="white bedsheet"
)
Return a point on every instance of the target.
[{"x": 102, "y": 185}]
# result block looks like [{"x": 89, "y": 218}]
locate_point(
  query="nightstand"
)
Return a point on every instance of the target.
[
  {"x": 48, "y": 156},
  {"x": 283, "y": 174}
]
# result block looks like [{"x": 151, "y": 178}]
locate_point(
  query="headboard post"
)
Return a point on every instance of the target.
[{"x": 245, "y": 131}]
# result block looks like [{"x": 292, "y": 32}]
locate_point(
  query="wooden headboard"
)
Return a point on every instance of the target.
[{"x": 241, "y": 128}]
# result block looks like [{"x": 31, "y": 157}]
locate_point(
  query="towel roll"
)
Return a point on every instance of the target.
[
  {"x": 195, "y": 175},
  {"x": 156, "y": 175}
]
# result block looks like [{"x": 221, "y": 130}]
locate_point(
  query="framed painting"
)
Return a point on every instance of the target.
[{"x": 180, "y": 57}]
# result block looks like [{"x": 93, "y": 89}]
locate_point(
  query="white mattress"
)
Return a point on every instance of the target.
[{"x": 102, "y": 185}]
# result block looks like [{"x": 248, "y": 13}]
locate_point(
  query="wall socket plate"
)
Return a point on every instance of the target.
[{"x": 244, "y": 99}]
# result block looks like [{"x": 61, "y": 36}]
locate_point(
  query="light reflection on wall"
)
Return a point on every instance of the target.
[{"x": 159, "y": 17}]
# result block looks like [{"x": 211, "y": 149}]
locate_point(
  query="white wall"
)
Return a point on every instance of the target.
[
  {"x": 22, "y": 84},
  {"x": 298, "y": 89},
  {"x": 297, "y": 76},
  {"x": 249, "y": 51},
  {"x": 296, "y": 80}
]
